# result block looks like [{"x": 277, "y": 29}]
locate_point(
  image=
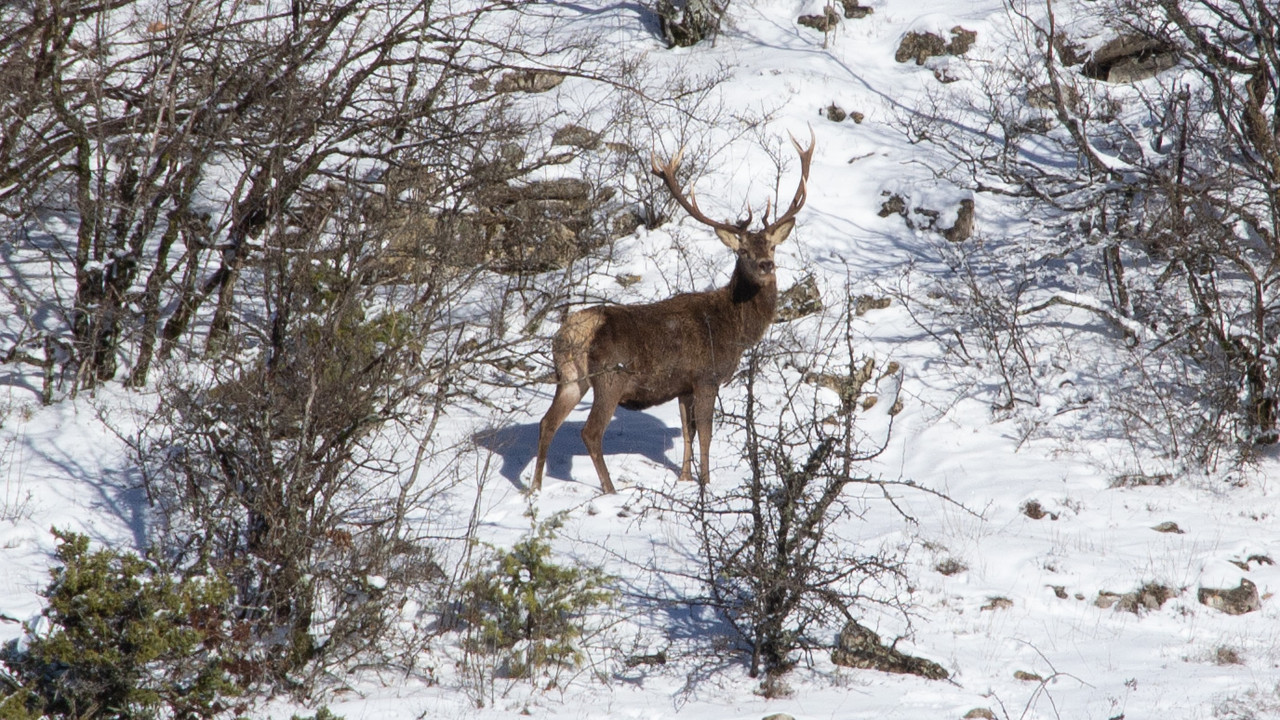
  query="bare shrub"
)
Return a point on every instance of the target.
[
  {"x": 777, "y": 563},
  {"x": 279, "y": 472},
  {"x": 1156, "y": 237},
  {"x": 179, "y": 154}
]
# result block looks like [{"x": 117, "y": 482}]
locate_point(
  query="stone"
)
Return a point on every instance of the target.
[
  {"x": 859, "y": 647},
  {"x": 963, "y": 228},
  {"x": 528, "y": 81},
  {"x": 1232, "y": 601},
  {"x": 576, "y": 136},
  {"x": 895, "y": 205},
  {"x": 854, "y": 11},
  {"x": 1129, "y": 58},
  {"x": 866, "y": 303},
  {"x": 826, "y": 22},
  {"x": 961, "y": 40},
  {"x": 799, "y": 300},
  {"x": 997, "y": 603},
  {"x": 921, "y": 46}
]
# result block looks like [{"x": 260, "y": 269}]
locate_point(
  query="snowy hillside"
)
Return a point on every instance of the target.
[{"x": 1050, "y": 562}]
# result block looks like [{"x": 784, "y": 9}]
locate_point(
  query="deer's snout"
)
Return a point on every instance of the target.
[{"x": 766, "y": 266}]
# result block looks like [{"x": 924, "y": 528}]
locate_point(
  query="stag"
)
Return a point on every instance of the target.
[{"x": 684, "y": 347}]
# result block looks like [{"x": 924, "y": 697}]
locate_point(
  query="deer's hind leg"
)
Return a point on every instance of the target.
[
  {"x": 568, "y": 393},
  {"x": 607, "y": 393}
]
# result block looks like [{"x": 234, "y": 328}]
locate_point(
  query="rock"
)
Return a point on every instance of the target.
[
  {"x": 1233, "y": 601},
  {"x": 1129, "y": 58},
  {"x": 835, "y": 113},
  {"x": 921, "y": 46},
  {"x": 1069, "y": 52},
  {"x": 865, "y": 303},
  {"x": 1150, "y": 596},
  {"x": 625, "y": 223},
  {"x": 698, "y": 19},
  {"x": 961, "y": 40},
  {"x": 1035, "y": 511},
  {"x": 778, "y": 716},
  {"x": 529, "y": 81},
  {"x": 1259, "y": 559},
  {"x": 895, "y": 205},
  {"x": 1042, "y": 97},
  {"x": 964, "y": 223},
  {"x": 1168, "y": 527},
  {"x": 848, "y": 387},
  {"x": 576, "y": 136},
  {"x": 1228, "y": 656},
  {"x": 1141, "y": 480},
  {"x": 980, "y": 713},
  {"x": 826, "y": 22},
  {"x": 574, "y": 192},
  {"x": 858, "y": 647},
  {"x": 997, "y": 603},
  {"x": 854, "y": 11},
  {"x": 800, "y": 300},
  {"x": 652, "y": 660},
  {"x": 944, "y": 76}
]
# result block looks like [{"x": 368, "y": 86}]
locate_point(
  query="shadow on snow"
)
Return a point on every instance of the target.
[{"x": 630, "y": 432}]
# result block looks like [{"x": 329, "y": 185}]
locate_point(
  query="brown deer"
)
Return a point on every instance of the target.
[{"x": 684, "y": 347}]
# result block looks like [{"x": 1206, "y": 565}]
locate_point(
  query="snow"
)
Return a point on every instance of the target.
[{"x": 64, "y": 466}]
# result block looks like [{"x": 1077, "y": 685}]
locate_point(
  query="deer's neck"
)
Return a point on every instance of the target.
[{"x": 756, "y": 303}]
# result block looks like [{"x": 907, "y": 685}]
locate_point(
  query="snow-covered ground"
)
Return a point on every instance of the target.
[{"x": 1023, "y": 606}]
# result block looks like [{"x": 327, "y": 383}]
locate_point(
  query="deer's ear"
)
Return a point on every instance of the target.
[
  {"x": 730, "y": 239},
  {"x": 776, "y": 235}
]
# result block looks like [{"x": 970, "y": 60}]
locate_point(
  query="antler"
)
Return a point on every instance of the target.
[
  {"x": 690, "y": 204},
  {"x": 668, "y": 173},
  {"x": 802, "y": 193}
]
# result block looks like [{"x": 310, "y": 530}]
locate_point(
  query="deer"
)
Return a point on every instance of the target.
[{"x": 682, "y": 348}]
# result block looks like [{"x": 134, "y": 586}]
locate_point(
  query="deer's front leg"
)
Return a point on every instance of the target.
[
  {"x": 704, "y": 405},
  {"x": 686, "y": 432}
]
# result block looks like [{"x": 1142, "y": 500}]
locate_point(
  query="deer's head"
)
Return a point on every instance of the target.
[{"x": 753, "y": 247}]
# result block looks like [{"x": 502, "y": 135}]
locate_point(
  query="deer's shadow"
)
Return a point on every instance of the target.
[{"x": 630, "y": 432}]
